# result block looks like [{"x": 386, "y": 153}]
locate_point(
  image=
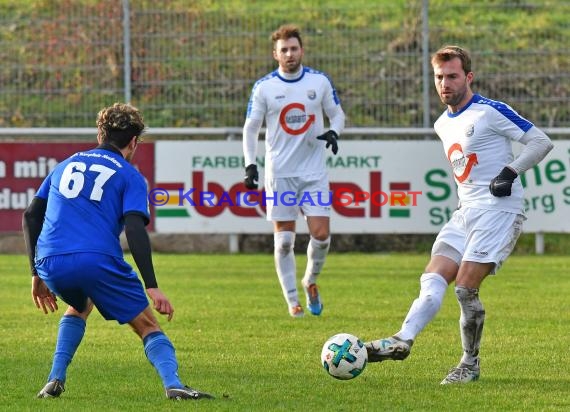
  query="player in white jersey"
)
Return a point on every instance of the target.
[
  {"x": 476, "y": 133},
  {"x": 292, "y": 100}
]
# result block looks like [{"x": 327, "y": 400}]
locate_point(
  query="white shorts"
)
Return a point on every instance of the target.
[
  {"x": 479, "y": 235},
  {"x": 286, "y": 196}
]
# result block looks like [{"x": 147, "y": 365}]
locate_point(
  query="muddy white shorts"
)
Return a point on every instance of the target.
[{"x": 480, "y": 235}]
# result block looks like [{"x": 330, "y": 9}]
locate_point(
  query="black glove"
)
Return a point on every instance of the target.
[
  {"x": 251, "y": 177},
  {"x": 330, "y": 137},
  {"x": 501, "y": 185}
]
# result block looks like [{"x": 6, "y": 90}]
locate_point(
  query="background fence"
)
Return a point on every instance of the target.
[{"x": 193, "y": 63}]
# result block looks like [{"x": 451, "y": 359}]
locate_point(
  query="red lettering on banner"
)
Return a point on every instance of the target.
[
  {"x": 238, "y": 210},
  {"x": 344, "y": 194},
  {"x": 398, "y": 198},
  {"x": 197, "y": 196},
  {"x": 348, "y": 199},
  {"x": 218, "y": 199},
  {"x": 375, "y": 187},
  {"x": 23, "y": 167},
  {"x": 414, "y": 196},
  {"x": 348, "y": 196}
]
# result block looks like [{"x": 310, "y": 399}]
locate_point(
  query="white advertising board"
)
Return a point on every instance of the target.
[{"x": 377, "y": 186}]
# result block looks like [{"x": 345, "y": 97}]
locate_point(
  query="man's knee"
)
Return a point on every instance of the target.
[
  {"x": 71, "y": 311},
  {"x": 468, "y": 299},
  {"x": 432, "y": 289},
  {"x": 319, "y": 227},
  {"x": 284, "y": 242},
  {"x": 145, "y": 323},
  {"x": 321, "y": 243}
]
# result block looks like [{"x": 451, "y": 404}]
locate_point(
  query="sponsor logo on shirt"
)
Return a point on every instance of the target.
[
  {"x": 292, "y": 116},
  {"x": 460, "y": 162}
]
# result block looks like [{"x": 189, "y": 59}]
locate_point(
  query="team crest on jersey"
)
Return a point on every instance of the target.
[
  {"x": 311, "y": 94},
  {"x": 469, "y": 130}
]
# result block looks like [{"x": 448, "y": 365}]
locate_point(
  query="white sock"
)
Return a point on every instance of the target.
[
  {"x": 425, "y": 307},
  {"x": 316, "y": 255},
  {"x": 285, "y": 265}
]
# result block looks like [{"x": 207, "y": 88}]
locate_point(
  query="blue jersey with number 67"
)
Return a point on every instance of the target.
[{"x": 88, "y": 194}]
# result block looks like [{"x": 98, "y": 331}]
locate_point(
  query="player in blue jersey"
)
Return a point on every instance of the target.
[
  {"x": 72, "y": 229},
  {"x": 476, "y": 133},
  {"x": 293, "y": 101}
]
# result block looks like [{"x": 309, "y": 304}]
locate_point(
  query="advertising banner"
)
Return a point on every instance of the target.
[
  {"x": 377, "y": 186},
  {"x": 23, "y": 166},
  {"x": 380, "y": 187}
]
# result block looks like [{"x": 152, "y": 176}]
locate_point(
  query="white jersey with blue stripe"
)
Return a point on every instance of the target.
[
  {"x": 477, "y": 142},
  {"x": 293, "y": 113}
]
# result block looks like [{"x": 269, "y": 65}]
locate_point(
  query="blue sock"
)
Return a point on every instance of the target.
[
  {"x": 162, "y": 356},
  {"x": 71, "y": 331}
]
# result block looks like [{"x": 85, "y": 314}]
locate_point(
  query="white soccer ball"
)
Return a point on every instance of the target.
[{"x": 344, "y": 356}]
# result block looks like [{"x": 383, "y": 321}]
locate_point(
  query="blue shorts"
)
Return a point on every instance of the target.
[{"x": 110, "y": 282}]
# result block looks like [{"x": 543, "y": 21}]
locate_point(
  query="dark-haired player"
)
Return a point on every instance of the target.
[
  {"x": 72, "y": 229},
  {"x": 293, "y": 101},
  {"x": 476, "y": 133}
]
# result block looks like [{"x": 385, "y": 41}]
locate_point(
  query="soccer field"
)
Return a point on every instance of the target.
[{"x": 235, "y": 339}]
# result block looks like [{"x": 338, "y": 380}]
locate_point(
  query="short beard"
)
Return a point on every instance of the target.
[
  {"x": 294, "y": 69},
  {"x": 453, "y": 100}
]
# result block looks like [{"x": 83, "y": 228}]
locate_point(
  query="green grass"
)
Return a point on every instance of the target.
[{"x": 234, "y": 338}]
